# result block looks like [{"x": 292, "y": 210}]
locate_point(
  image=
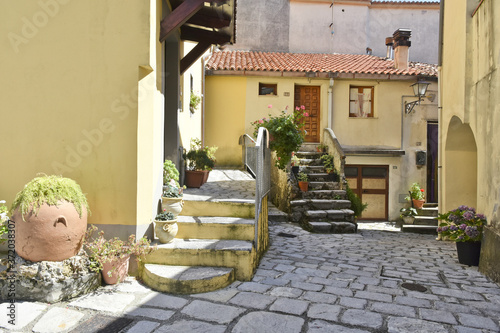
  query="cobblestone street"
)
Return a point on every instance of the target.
[{"x": 373, "y": 281}]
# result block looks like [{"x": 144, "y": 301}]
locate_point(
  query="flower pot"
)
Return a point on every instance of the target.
[
  {"x": 194, "y": 178},
  {"x": 295, "y": 169},
  {"x": 173, "y": 205},
  {"x": 418, "y": 204},
  {"x": 408, "y": 219},
  {"x": 304, "y": 186},
  {"x": 53, "y": 234},
  {"x": 205, "y": 176},
  {"x": 116, "y": 270},
  {"x": 468, "y": 253},
  {"x": 166, "y": 230},
  {"x": 333, "y": 177}
]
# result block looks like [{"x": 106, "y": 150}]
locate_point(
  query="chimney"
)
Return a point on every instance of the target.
[
  {"x": 389, "y": 42},
  {"x": 401, "y": 45}
]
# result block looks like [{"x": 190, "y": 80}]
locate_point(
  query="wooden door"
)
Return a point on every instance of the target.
[
  {"x": 309, "y": 96},
  {"x": 371, "y": 184}
]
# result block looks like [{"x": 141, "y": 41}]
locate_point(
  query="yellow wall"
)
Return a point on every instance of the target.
[
  {"x": 224, "y": 117},
  {"x": 71, "y": 78},
  {"x": 190, "y": 124}
]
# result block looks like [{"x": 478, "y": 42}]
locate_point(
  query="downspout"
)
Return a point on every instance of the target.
[
  {"x": 330, "y": 104},
  {"x": 440, "y": 108},
  {"x": 203, "y": 61}
]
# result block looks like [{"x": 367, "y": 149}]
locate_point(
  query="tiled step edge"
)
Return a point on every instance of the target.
[{"x": 186, "y": 279}]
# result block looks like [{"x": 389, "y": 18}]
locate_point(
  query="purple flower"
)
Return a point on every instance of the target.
[
  {"x": 471, "y": 232},
  {"x": 463, "y": 226},
  {"x": 481, "y": 216},
  {"x": 461, "y": 237},
  {"x": 439, "y": 229},
  {"x": 453, "y": 228},
  {"x": 468, "y": 215},
  {"x": 445, "y": 228},
  {"x": 463, "y": 207}
]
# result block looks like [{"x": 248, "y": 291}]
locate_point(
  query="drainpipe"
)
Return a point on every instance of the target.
[
  {"x": 440, "y": 109},
  {"x": 330, "y": 104}
]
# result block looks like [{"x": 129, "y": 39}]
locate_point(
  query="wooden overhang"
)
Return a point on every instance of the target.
[{"x": 205, "y": 22}]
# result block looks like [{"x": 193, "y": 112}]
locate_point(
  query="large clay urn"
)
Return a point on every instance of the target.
[{"x": 54, "y": 233}]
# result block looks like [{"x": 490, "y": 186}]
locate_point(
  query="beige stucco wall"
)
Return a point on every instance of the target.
[
  {"x": 82, "y": 99},
  {"x": 470, "y": 85}
]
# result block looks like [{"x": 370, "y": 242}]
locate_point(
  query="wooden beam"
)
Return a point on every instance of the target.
[
  {"x": 194, "y": 55},
  {"x": 208, "y": 17},
  {"x": 179, "y": 16},
  {"x": 202, "y": 35}
]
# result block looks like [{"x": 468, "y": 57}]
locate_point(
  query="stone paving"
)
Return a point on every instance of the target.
[{"x": 378, "y": 280}]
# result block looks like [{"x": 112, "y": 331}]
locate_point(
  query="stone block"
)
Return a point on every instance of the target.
[
  {"x": 321, "y": 227},
  {"x": 267, "y": 322},
  {"x": 221, "y": 314},
  {"x": 57, "y": 320},
  {"x": 316, "y": 214},
  {"x": 343, "y": 227}
]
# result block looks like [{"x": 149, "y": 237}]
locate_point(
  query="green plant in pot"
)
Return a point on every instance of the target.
[
  {"x": 112, "y": 256},
  {"x": 464, "y": 226},
  {"x": 166, "y": 226},
  {"x": 194, "y": 101},
  {"x": 50, "y": 215},
  {"x": 416, "y": 196},
  {"x": 303, "y": 180},
  {"x": 329, "y": 167},
  {"x": 172, "y": 192},
  {"x": 321, "y": 148},
  {"x": 408, "y": 214},
  {"x": 200, "y": 160}
]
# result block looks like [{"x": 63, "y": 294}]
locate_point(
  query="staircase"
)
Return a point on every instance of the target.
[
  {"x": 425, "y": 222},
  {"x": 324, "y": 207},
  {"x": 213, "y": 247}
]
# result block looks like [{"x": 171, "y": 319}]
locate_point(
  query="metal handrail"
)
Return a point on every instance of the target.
[{"x": 247, "y": 141}]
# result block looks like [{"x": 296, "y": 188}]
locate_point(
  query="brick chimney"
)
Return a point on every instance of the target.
[{"x": 401, "y": 45}]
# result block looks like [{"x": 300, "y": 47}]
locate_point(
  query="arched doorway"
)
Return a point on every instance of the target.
[{"x": 460, "y": 166}]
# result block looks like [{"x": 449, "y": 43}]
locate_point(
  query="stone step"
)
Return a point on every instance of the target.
[
  {"x": 308, "y": 154},
  {"x": 324, "y": 185},
  {"x": 215, "y": 227},
  {"x": 332, "y": 215},
  {"x": 327, "y": 204},
  {"x": 426, "y": 220},
  {"x": 325, "y": 194},
  {"x": 186, "y": 279},
  {"x": 309, "y": 147},
  {"x": 322, "y": 177},
  {"x": 226, "y": 208},
  {"x": 428, "y": 211},
  {"x": 237, "y": 254},
  {"x": 311, "y": 162},
  {"x": 419, "y": 229},
  {"x": 276, "y": 215},
  {"x": 337, "y": 227},
  {"x": 313, "y": 168}
]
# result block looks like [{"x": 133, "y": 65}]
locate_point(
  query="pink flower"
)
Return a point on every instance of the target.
[
  {"x": 302, "y": 107},
  {"x": 297, "y": 108},
  {"x": 269, "y": 106},
  {"x": 286, "y": 107},
  {"x": 261, "y": 121},
  {"x": 279, "y": 158},
  {"x": 306, "y": 114}
]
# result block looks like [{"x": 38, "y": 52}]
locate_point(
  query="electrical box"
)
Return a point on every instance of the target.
[{"x": 421, "y": 158}]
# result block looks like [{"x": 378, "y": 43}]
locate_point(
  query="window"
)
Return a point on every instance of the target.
[
  {"x": 268, "y": 89},
  {"x": 361, "y": 102}
]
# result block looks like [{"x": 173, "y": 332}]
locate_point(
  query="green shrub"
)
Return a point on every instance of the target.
[{"x": 356, "y": 205}]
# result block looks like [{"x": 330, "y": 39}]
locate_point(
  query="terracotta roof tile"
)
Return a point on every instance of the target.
[{"x": 309, "y": 62}]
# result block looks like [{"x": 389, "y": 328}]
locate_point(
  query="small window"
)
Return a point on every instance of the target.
[
  {"x": 361, "y": 102},
  {"x": 268, "y": 89}
]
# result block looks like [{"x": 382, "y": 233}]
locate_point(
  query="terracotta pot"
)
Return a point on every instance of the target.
[
  {"x": 173, "y": 205},
  {"x": 55, "y": 233},
  {"x": 304, "y": 186},
  {"x": 194, "y": 178},
  {"x": 418, "y": 204},
  {"x": 205, "y": 176},
  {"x": 469, "y": 253},
  {"x": 166, "y": 230},
  {"x": 116, "y": 270}
]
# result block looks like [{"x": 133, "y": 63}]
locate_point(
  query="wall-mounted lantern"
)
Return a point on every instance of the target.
[{"x": 419, "y": 90}]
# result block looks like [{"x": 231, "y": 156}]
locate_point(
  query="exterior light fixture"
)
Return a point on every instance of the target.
[{"x": 419, "y": 90}]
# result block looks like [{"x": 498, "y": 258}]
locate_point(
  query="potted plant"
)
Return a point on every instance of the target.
[
  {"x": 112, "y": 256},
  {"x": 464, "y": 226},
  {"x": 166, "y": 227},
  {"x": 416, "y": 196},
  {"x": 286, "y": 132},
  {"x": 357, "y": 205},
  {"x": 172, "y": 191},
  {"x": 329, "y": 167},
  {"x": 194, "y": 101},
  {"x": 303, "y": 181},
  {"x": 50, "y": 215},
  {"x": 408, "y": 214},
  {"x": 295, "y": 161},
  {"x": 200, "y": 160},
  {"x": 321, "y": 148}
]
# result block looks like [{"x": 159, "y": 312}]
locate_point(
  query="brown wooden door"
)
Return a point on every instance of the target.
[
  {"x": 309, "y": 97},
  {"x": 371, "y": 184}
]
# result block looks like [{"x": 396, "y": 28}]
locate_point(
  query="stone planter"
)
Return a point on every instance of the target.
[
  {"x": 115, "y": 271},
  {"x": 408, "y": 219},
  {"x": 166, "y": 230},
  {"x": 173, "y": 205},
  {"x": 55, "y": 233}
]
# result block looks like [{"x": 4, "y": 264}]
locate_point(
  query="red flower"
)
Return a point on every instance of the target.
[{"x": 421, "y": 190}]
